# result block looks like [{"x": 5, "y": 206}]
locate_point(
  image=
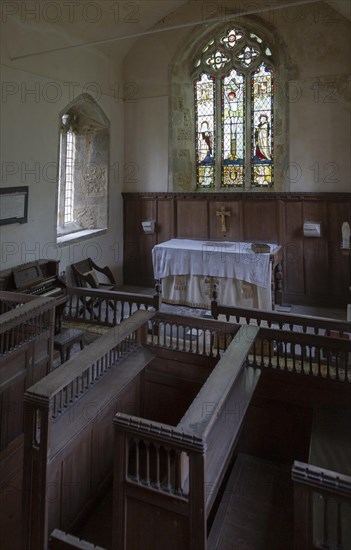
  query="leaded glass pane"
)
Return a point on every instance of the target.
[
  {"x": 231, "y": 38},
  {"x": 205, "y": 130},
  {"x": 217, "y": 60},
  {"x": 262, "y": 136},
  {"x": 247, "y": 55},
  {"x": 233, "y": 129}
]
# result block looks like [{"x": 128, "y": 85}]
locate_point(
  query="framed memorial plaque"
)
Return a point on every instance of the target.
[{"x": 13, "y": 205}]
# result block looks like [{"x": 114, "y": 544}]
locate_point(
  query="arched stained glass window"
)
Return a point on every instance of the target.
[{"x": 234, "y": 99}]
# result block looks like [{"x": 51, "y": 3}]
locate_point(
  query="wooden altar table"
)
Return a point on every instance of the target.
[{"x": 190, "y": 269}]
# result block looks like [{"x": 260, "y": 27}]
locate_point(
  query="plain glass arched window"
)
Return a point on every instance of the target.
[{"x": 83, "y": 168}]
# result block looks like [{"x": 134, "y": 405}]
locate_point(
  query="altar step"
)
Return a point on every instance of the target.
[{"x": 256, "y": 511}]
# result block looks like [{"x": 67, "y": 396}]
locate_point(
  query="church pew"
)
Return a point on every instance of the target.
[
  {"x": 68, "y": 429},
  {"x": 330, "y": 490},
  {"x": 317, "y": 355},
  {"x": 26, "y": 339},
  {"x": 167, "y": 478}
]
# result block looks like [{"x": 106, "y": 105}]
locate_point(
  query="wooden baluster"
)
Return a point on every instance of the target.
[
  {"x": 339, "y": 545},
  {"x": 115, "y": 310},
  {"x": 278, "y": 347},
  {"x": 270, "y": 347},
  {"x": 325, "y": 522},
  {"x": 164, "y": 334},
  {"x": 157, "y": 480},
  {"x": 147, "y": 474},
  {"x": 177, "y": 337},
  {"x": 293, "y": 357},
  {"x": 318, "y": 353},
  {"x": 122, "y": 311},
  {"x": 204, "y": 341},
  {"x": 168, "y": 459},
  {"x": 137, "y": 461},
  {"x": 178, "y": 490}
]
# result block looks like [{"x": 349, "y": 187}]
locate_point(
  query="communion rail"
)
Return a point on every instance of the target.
[
  {"x": 315, "y": 355},
  {"x": 68, "y": 428},
  {"x": 167, "y": 478},
  {"x": 325, "y": 495},
  {"x": 271, "y": 319},
  {"x": 105, "y": 307}
]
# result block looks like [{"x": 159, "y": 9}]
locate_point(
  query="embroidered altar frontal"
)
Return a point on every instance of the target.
[{"x": 189, "y": 269}]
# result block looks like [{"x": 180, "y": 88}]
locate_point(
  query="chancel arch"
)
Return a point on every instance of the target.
[{"x": 239, "y": 141}]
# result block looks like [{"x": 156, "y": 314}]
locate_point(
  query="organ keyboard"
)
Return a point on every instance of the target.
[{"x": 38, "y": 278}]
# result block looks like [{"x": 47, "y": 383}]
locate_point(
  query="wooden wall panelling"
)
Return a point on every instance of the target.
[
  {"x": 233, "y": 222},
  {"x": 165, "y": 219},
  {"x": 339, "y": 263},
  {"x": 315, "y": 251},
  {"x": 294, "y": 283},
  {"x": 313, "y": 273},
  {"x": 148, "y": 211},
  {"x": 192, "y": 218},
  {"x": 12, "y": 387},
  {"x": 76, "y": 480},
  {"x": 131, "y": 248},
  {"x": 261, "y": 220}
]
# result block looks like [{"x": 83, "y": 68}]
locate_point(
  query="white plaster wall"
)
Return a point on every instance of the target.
[
  {"x": 30, "y": 140},
  {"x": 146, "y": 156}
]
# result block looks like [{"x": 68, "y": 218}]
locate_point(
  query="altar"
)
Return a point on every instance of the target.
[{"x": 189, "y": 270}]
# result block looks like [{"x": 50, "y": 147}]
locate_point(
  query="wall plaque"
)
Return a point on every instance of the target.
[{"x": 13, "y": 205}]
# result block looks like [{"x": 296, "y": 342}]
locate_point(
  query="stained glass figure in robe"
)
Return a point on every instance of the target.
[
  {"x": 205, "y": 142},
  {"x": 233, "y": 100},
  {"x": 262, "y": 126}
]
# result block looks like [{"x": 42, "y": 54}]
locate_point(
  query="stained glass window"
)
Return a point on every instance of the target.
[
  {"x": 205, "y": 130},
  {"x": 234, "y": 137},
  {"x": 233, "y": 131},
  {"x": 262, "y": 126}
]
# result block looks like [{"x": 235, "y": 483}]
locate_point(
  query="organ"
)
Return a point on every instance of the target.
[{"x": 39, "y": 278}]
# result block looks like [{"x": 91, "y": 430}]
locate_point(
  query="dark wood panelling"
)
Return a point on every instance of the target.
[
  {"x": 315, "y": 250},
  {"x": 293, "y": 250},
  {"x": 148, "y": 210},
  {"x": 232, "y": 222},
  {"x": 131, "y": 244},
  {"x": 165, "y": 220},
  {"x": 192, "y": 219},
  {"x": 339, "y": 272},
  {"x": 261, "y": 221},
  {"x": 315, "y": 271}
]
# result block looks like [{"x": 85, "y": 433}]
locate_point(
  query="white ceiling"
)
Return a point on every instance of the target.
[{"x": 116, "y": 31}]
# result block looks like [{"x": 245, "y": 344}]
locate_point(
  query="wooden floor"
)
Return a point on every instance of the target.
[{"x": 256, "y": 511}]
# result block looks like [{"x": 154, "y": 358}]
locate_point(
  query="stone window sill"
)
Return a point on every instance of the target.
[{"x": 80, "y": 236}]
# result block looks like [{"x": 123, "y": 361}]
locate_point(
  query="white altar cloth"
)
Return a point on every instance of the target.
[
  {"x": 190, "y": 268},
  {"x": 235, "y": 260}
]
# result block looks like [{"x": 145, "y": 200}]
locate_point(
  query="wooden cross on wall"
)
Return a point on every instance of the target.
[{"x": 222, "y": 213}]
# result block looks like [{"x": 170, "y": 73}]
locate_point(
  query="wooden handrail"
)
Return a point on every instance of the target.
[
  {"x": 322, "y": 480},
  {"x": 69, "y": 371},
  {"x": 281, "y": 319},
  {"x": 29, "y": 309}
]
